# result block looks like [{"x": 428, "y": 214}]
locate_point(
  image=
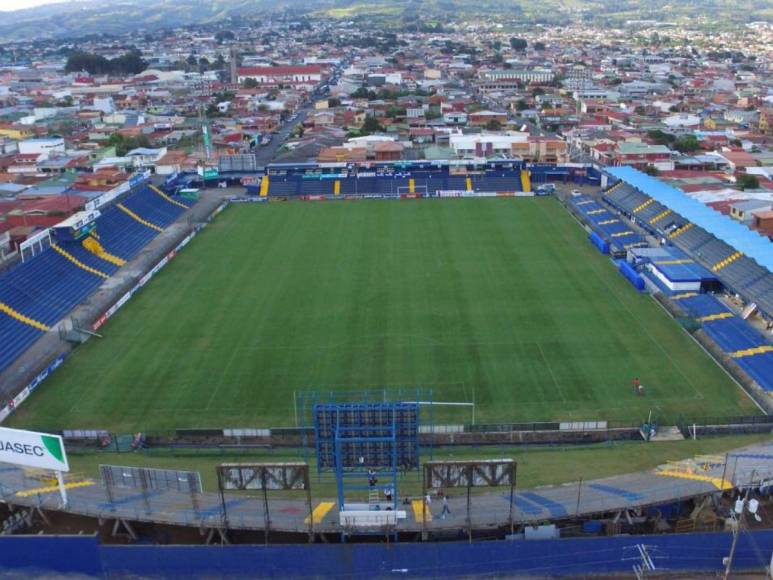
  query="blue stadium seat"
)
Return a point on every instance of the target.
[{"x": 47, "y": 286}]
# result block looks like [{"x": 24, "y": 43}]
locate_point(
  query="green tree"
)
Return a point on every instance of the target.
[
  {"x": 747, "y": 181},
  {"x": 651, "y": 170},
  {"x": 128, "y": 63},
  {"x": 371, "y": 125},
  {"x": 394, "y": 112},
  {"x": 432, "y": 113},
  {"x": 687, "y": 144},
  {"x": 125, "y": 144},
  {"x": 493, "y": 125},
  {"x": 250, "y": 83},
  {"x": 363, "y": 93},
  {"x": 518, "y": 44},
  {"x": 661, "y": 137},
  {"x": 223, "y": 35},
  {"x": 333, "y": 102}
]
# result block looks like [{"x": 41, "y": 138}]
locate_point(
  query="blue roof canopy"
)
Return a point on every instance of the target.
[{"x": 746, "y": 241}]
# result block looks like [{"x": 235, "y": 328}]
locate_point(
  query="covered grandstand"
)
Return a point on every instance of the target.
[
  {"x": 423, "y": 178},
  {"x": 741, "y": 258}
]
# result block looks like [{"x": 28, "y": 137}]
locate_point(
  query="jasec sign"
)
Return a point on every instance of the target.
[{"x": 31, "y": 449}]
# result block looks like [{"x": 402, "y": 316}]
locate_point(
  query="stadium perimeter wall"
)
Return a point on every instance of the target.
[{"x": 702, "y": 552}]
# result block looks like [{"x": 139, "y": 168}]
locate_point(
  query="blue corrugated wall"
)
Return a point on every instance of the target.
[{"x": 699, "y": 552}]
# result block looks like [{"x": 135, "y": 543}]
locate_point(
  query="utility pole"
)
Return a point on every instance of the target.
[
  {"x": 736, "y": 533},
  {"x": 739, "y": 511}
]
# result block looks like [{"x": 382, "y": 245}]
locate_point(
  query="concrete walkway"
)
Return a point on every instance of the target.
[{"x": 748, "y": 466}]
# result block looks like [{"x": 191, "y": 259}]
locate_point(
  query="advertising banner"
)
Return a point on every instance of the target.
[{"x": 32, "y": 449}]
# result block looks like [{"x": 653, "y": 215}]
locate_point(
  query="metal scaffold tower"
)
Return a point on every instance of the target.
[{"x": 367, "y": 442}]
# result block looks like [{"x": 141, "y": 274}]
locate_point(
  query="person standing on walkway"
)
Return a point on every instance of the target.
[{"x": 446, "y": 510}]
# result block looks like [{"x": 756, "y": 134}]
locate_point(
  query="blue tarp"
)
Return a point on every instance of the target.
[{"x": 750, "y": 243}]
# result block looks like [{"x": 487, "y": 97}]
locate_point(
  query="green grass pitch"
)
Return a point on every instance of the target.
[{"x": 502, "y": 300}]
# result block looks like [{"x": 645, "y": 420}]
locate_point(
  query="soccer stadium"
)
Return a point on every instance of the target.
[{"x": 341, "y": 327}]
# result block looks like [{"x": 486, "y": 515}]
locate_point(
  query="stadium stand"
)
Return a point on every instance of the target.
[
  {"x": 741, "y": 258},
  {"x": 752, "y": 352},
  {"x": 607, "y": 224},
  {"x": 39, "y": 292}
]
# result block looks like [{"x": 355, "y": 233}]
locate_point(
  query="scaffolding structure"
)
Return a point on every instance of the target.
[{"x": 367, "y": 439}]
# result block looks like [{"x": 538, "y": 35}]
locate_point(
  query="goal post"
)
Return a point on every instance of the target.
[{"x": 417, "y": 190}]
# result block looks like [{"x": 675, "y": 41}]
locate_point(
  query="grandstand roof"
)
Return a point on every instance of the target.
[{"x": 749, "y": 242}]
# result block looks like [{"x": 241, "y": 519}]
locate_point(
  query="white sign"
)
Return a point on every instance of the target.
[{"x": 32, "y": 449}]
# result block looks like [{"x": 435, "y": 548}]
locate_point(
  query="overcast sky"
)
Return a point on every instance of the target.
[{"x": 9, "y": 5}]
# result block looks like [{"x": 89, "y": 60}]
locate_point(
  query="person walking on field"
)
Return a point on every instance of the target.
[{"x": 446, "y": 510}]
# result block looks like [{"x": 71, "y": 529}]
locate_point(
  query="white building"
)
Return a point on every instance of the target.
[
  {"x": 106, "y": 104},
  {"x": 43, "y": 146},
  {"x": 486, "y": 145},
  {"x": 281, "y": 74},
  {"x": 682, "y": 120}
]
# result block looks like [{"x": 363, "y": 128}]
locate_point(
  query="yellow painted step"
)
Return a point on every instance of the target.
[
  {"x": 93, "y": 246},
  {"x": 642, "y": 206},
  {"x": 138, "y": 218},
  {"x": 53, "y": 488},
  {"x": 718, "y": 316},
  {"x": 679, "y": 231},
  {"x": 319, "y": 512},
  {"x": 525, "y": 180},
  {"x": 726, "y": 262},
  {"x": 420, "y": 511},
  {"x": 684, "y": 295},
  {"x": 752, "y": 351},
  {"x": 717, "y": 482},
  {"x": 167, "y": 198},
  {"x": 264, "y": 186},
  {"x": 78, "y": 263},
  {"x": 22, "y": 318}
]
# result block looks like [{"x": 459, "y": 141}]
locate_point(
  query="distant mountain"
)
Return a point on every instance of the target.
[{"x": 86, "y": 17}]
